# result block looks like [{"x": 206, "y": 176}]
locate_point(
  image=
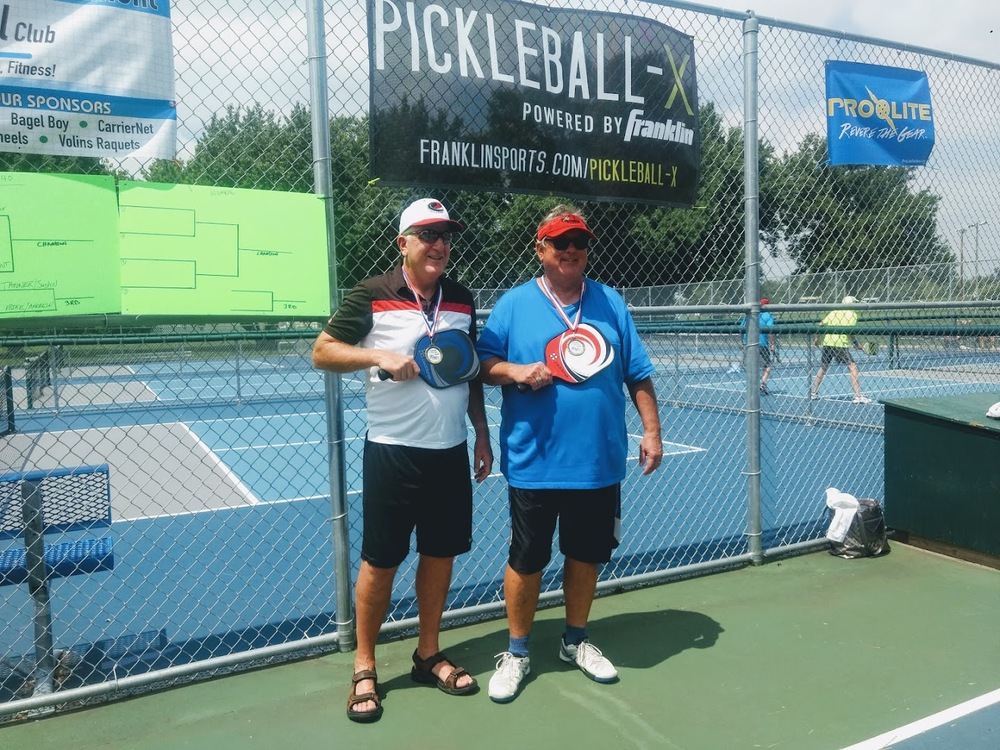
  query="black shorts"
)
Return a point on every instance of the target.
[
  {"x": 839, "y": 353},
  {"x": 587, "y": 524},
  {"x": 763, "y": 352},
  {"x": 422, "y": 488}
]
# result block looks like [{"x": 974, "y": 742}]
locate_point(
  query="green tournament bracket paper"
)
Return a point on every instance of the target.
[
  {"x": 58, "y": 245},
  {"x": 203, "y": 251}
]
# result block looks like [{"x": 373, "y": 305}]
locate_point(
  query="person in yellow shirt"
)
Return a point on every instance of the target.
[{"x": 837, "y": 346}]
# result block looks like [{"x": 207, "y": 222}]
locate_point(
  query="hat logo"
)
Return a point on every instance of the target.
[{"x": 435, "y": 206}]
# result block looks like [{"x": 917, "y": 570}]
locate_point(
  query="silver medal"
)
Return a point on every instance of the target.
[{"x": 434, "y": 355}]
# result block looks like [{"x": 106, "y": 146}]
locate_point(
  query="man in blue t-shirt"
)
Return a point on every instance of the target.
[
  {"x": 565, "y": 349},
  {"x": 766, "y": 345}
]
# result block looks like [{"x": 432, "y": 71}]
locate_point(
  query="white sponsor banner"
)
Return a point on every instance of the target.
[{"x": 87, "y": 78}]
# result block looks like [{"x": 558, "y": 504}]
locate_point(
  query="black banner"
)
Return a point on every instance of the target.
[{"x": 508, "y": 96}]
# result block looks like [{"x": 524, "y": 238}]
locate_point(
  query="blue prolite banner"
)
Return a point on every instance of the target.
[{"x": 878, "y": 115}]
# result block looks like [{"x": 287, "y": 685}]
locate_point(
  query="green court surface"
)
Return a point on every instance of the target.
[{"x": 800, "y": 653}]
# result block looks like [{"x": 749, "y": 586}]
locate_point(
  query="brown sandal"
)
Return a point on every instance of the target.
[
  {"x": 354, "y": 698},
  {"x": 422, "y": 673}
]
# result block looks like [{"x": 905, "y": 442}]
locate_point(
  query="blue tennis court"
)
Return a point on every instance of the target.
[
  {"x": 973, "y": 725},
  {"x": 233, "y": 494}
]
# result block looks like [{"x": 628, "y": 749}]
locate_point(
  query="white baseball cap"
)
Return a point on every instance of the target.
[
  {"x": 425, "y": 211},
  {"x": 849, "y": 300}
]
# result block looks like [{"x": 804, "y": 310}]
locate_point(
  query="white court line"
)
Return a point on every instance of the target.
[
  {"x": 299, "y": 444},
  {"x": 282, "y": 501},
  {"x": 310, "y": 497},
  {"x": 920, "y": 726},
  {"x": 156, "y": 396},
  {"x": 353, "y": 438},
  {"x": 262, "y": 446},
  {"x": 180, "y": 514},
  {"x": 673, "y": 449},
  {"x": 263, "y": 362},
  {"x": 678, "y": 449},
  {"x": 241, "y": 488},
  {"x": 272, "y": 416},
  {"x": 725, "y": 387},
  {"x": 930, "y": 386}
]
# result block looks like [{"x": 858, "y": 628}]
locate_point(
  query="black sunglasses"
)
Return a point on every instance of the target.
[
  {"x": 431, "y": 236},
  {"x": 561, "y": 243}
]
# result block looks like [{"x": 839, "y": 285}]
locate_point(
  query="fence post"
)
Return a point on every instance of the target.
[
  {"x": 752, "y": 283},
  {"x": 239, "y": 378},
  {"x": 38, "y": 586},
  {"x": 323, "y": 187},
  {"x": 55, "y": 362}
]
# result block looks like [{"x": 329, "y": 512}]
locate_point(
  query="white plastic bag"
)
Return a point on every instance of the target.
[{"x": 844, "y": 506}]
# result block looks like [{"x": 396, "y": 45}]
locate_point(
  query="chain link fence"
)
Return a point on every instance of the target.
[{"x": 218, "y": 434}]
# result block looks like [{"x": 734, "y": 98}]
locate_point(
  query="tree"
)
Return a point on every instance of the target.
[
  {"x": 842, "y": 218},
  {"x": 823, "y": 217},
  {"x": 659, "y": 245},
  {"x": 247, "y": 148},
  {"x": 259, "y": 149}
]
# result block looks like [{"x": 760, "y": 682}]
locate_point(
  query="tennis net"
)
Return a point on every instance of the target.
[
  {"x": 37, "y": 377},
  {"x": 41, "y": 372},
  {"x": 954, "y": 352}
]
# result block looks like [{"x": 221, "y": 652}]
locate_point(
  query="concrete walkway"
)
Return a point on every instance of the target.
[{"x": 807, "y": 652}]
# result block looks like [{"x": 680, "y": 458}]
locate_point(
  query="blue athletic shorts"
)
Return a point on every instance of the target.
[
  {"x": 422, "y": 488},
  {"x": 586, "y": 525}
]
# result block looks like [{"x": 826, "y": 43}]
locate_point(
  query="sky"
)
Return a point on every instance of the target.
[
  {"x": 965, "y": 28},
  {"x": 968, "y": 28}
]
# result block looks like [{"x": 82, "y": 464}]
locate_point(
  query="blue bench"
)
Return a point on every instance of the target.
[{"x": 73, "y": 503}]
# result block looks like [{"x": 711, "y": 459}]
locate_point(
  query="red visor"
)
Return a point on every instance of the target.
[{"x": 562, "y": 224}]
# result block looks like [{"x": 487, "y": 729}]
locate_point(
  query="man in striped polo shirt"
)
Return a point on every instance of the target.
[{"x": 416, "y": 461}]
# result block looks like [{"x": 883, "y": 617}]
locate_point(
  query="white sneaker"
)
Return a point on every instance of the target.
[
  {"x": 506, "y": 681},
  {"x": 862, "y": 400},
  {"x": 589, "y": 659}
]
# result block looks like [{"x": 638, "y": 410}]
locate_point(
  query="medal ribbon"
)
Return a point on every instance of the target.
[
  {"x": 572, "y": 325},
  {"x": 430, "y": 321}
]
